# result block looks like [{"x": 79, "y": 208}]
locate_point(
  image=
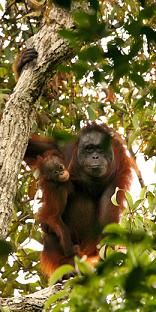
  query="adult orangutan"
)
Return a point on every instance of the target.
[{"x": 97, "y": 163}]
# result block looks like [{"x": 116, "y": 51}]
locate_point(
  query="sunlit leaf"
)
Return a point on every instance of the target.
[{"x": 114, "y": 197}]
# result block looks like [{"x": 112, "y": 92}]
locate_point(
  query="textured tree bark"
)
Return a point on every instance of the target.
[
  {"x": 31, "y": 303},
  {"x": 19, "y": 113}
]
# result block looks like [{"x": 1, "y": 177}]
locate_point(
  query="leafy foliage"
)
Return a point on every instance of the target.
[
  {"x": 111, "y": 79},
  {"x": 125, "y": 279}
]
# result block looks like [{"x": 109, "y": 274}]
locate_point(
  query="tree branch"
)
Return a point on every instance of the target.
[
  {"x": 30, "y": 303},
  {"x": 19, "y": 113}
]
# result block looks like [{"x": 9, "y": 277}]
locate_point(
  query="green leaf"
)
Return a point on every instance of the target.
[
  {"x": 94, "y": 4},
  {"x": 140, "y": 103},
  {"x": 115, "y": 259},
  {"x": 98, "y": 76},
  {"x": 132, "y": 137},
  {"x": 91, "y": 113},
  {"x": 149, "y": 32},
  {"x": 5, "y": 248},
  {"x": 137, "y": 79},
  {"x": 129, "y": 200},
  {"x": 133, "y": 28},
  {"x": 137, "y": 203},
  {"x": 63, "y": 3},
  {"x": 5, "y": 91},
  {"x": 60, "y": 295},
  {"x": 143, "y": 193},
  {"x": 71, "y": 36},
  {"x": 134, "y": 279},
  {"x": 113, "y": 198},
  {"x": 60, "y": 272},
  {"x": 115, "y": 228},
  {"x": 148, "y": 11},
  {"x": 80, "y": 69},
  {"x": 135, "y": 121},
  {"x": 83, "y": 266},
  {"x": 92, "y": 54},
  {"x": 1, "y": 8},
  {"x": 83, "y": 19},
  {"x": 3, "y": 72}
]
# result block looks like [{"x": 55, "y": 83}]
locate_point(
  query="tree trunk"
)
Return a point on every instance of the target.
[{"x": 19, "y": 113}]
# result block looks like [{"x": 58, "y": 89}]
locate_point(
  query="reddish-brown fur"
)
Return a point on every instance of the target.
[
  {"x": 87, "y": 207},
  {"x": 54, "y": 185}
]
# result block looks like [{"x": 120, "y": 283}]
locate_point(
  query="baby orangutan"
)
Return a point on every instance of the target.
[{"x": 53, "y": 181}]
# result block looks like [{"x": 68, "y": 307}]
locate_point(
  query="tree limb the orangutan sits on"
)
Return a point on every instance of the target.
[{"x": 97, "y": 163}]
